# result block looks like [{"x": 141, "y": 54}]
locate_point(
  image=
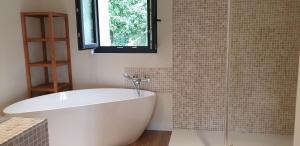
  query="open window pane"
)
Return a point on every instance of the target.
[
  {"x": 87, "y": 25},
  {"x": 123, "y": 23},
  {"x": 88, "y": 21}
]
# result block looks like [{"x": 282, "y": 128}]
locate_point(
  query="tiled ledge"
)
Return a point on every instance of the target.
[
  {"x": 161, "y": 78},
  {"x": 24, "y": 131}
]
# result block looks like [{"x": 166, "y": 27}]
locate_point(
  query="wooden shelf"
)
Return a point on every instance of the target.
[
  {"x": 45, "y": 39},
  {"x": 48, "y": 63},
  {"x": 49, "y": 52},
  {"x": 43, "y": 14},
  {"x": 48, "y": 87}
]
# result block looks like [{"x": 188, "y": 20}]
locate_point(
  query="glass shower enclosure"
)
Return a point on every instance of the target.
[
  {"x": 235, "y": 67},
  {"x": 262, "y": 69}
]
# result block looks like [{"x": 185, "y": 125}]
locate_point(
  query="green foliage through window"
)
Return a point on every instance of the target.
[{"x": 128, "y": 22}]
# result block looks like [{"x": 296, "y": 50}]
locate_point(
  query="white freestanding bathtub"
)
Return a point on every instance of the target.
[{"x": 91, "y": 117}]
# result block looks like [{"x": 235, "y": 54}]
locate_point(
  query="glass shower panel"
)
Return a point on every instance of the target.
[{"x": 263, "y": 67}]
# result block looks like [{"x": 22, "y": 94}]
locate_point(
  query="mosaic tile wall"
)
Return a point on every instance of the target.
[
  {"x": 263, "y": 64},
  {"x": 199, "y": 58},
  {"x": 161, "y": 78},
  {"x": 25, "y": 132},
  {"x": 264, "y": 56}
]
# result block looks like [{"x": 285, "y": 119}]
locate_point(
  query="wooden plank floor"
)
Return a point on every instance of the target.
[{"x": 153, "y": 138}]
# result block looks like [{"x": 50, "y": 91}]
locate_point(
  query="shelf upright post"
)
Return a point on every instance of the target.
[
  {"x": 44, "y": 45},
  {"x": 53, "y": 52},
  {"x": 26, "y": 55},
  {"x": 68, "y": 51}
]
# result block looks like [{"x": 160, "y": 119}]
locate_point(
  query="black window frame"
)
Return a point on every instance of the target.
[{"x": 96, "y": 46}]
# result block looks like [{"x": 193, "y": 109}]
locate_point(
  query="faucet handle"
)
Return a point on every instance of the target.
[
  {"x": 146, "y": 79},
  {"x": 135, "y": 76},
  {"x": 127, "y": 76}
]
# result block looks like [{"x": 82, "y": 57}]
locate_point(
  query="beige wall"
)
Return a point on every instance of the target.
[
  {"x": 12, "y": 69},
  {"x": 105, "y": 70}
]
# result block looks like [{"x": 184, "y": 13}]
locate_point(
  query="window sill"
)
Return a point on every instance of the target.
[{"x": 124, "y": 50}]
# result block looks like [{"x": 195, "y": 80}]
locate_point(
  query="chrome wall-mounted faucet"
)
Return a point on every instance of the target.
[{"x": 136, "y": 81}]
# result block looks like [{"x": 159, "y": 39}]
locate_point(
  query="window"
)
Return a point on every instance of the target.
[{"x": 117, "y": 26}]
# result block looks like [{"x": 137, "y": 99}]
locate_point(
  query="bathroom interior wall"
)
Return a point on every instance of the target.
[
  {"x": 12, "y": 67},
  {"x": 106, "y": 70}
]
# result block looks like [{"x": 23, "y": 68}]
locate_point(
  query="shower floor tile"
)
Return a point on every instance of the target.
[{"x": 182, "y": 137}]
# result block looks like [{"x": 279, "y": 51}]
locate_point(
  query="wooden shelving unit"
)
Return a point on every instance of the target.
[{"x": 54, "y": 85}]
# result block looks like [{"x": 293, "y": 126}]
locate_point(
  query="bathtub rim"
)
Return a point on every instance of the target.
[{"x": 151, "y": 94}]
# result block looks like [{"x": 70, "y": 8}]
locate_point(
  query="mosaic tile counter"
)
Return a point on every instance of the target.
[{"x": 24, "y": 132}]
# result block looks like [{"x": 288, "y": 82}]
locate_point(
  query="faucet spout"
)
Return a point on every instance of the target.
[{"x": 136, "y": 81}]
